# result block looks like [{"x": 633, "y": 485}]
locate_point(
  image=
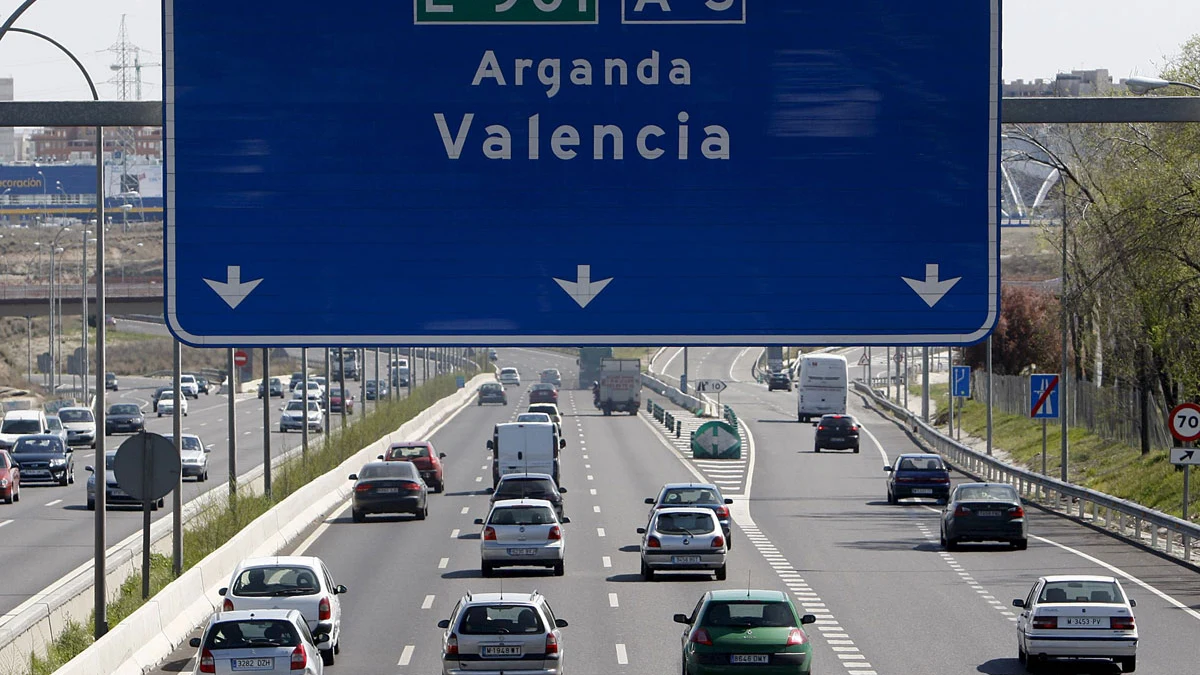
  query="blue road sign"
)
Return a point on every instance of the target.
[
  {"x": 1043, "y": 396},
  {"x": 523, "y": 172},
  {"x": 961, "y": 381}
]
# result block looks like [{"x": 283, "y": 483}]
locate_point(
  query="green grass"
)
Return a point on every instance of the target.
[{"x": 215, "y": 526}]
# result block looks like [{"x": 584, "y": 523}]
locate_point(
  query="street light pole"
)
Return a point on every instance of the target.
[{"x": 83, "y": 301}]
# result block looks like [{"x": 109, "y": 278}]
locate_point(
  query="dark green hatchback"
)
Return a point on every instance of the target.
[{"x": 732, "y": 632}]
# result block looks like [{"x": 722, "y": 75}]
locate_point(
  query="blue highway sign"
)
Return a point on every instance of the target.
[
  {"x": 526, "y": 171},
  {"x": 1043, "y": 396},
  {"x": 960, "y": 381}
]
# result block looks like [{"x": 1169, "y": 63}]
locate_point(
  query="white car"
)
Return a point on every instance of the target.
[
  {"x": 80, "y": 424},
  {"x": 166, "y": 404},
  {"x": 194, "y": 456},
  {"x": 1076, "y": 617},
  {"x": 302, "y": 583},
  {"x": 533, "y": 417},
  {"x": 263, "y": 641},
  {"x": 188, "y": 386},
  {"x": 522, "y": 533},
  {"x": 685, "y": 538},
  {"x": 510, "y": 377},
  {"x": 294, "y": 415},
  {"x": 315, "y": 391}
]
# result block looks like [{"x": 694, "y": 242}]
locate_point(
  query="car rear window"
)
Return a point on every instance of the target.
[
  {"x": 689, "y": 496},
  {"x": 521, "y": 515},
  {"x": 21, "y": 427},
  {"x": 921, "y": 464},
  {"x": 837, "y": 422},
  {"x": 252, "y": 633},
  {"x": 749, "y": 614},
  {"x": 538, "y": 488},
  {"x": 389, "y": 470},
  {"x": 276, "y": 581},
  {"x": 548, "y": 409},
  {"x": 685, "y": 523},
  {"x": 999, "y": 493},
  {"x": 500, "y": 620},
  {"x": 408, "y": 451},
  {"x": 1081, "y": 591}
]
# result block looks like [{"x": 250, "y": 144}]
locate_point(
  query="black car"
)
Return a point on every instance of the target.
[
  {"x": 124, "y": 418},
  {"x": 44, "y": 457},
  {"x": 157, "y": 395},
  {"x": 529, "y": 486},
  {"x": 389, "y": 487},
  {"x": 779, "y": 381},
  {"x": 918, "y": 475},
  {"x": 492, "y": 392},
  {"x": 297, "y": 378},
  {"x": 276, "y": 386},
  {"x": 984, "y": 512},
  {"x": 201, "y": 383},
  {"x": 836, "y": 432},
  {"x": 376, "y": 389}
]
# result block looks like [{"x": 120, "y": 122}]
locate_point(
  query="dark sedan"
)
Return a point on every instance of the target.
[
  {"x": 543, "y": 393},
  {"x": 44, "y": 458},
  {"x": 836, "y": 432},
  {"x": 984, "y": 512},
  {"x": 376, "y": 389},
  {"x": 389, "y": 487},
  {"x": 275, "y": 385},
  {"x": 124, "y": 418},
  {"x": 492, "y": 392},
  {"x": 779, "y": 381},
  {"x": 918, "y": 475}
]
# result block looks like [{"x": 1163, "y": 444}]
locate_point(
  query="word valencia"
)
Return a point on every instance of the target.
[{"x": 608, "y": 141}]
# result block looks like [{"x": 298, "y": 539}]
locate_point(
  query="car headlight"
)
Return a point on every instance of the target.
[
  {"x": 3, "y": 482},
  {"x": 58, "y": 461},
  {"x": 138, "y": 420}
]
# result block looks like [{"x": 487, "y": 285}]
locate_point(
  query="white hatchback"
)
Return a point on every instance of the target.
[
  {"x": 510, "y": 377},
  {"x": 166, "y": 404},
  {"x": 679, "y": 539},
  {"x": 263, "y": 641},
  {"x": 1076, "y": 617},
  {"x": 522, "y": 533}
]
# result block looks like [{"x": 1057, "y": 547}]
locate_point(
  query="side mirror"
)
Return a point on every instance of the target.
[
  {"x": 444, "y": 623},
  {"x": 562, "y": 443},
  {"x": 490, "y": 490},
  {"x": 441, "y": 455},
  {"x": 320, "y": 637},
  {"x": 641, "y": 530},
  {"x": 340, "y": 589},
  {"x": 649, "y": 500},
  {"x": 560, "y": 623},
  {"x": 562, "y": 490},
  {"x": 222, "y": 591},
  {"x": 353, "y": 476},
  {"x": 479, "y": 521},
  {"x": 491, "y": 445},
  {"x": 208, "y": 448},
  {"x": 1018, "y": 603},
  {"x": 681, "y": 618},
  {"x": 728, "y": 500},
  {"x": 566, "y": 520},
  {"x": 1132, "y": 602},
  {"x": 378, "y": 456},
  {"x": 814, "y": 424},
  {"x": 194, "y": 642},
  {"x": 808, "y": 618},
  {"x": 88, "y": 468},
  {"x": 888, "y": 468}
]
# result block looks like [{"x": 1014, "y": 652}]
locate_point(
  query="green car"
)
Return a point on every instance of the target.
[{"x": 733, "y": 632}]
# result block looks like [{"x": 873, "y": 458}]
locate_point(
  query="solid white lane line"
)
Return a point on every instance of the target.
[
  {"x": 612, "y": 600},
  {"x": 606, "y": 561},
  {"x": 622, "y": 657},
  {"x": 465, "y": 509},
  {"x": 406, "y": 655},
  {"x": 428, "y": 602},
  {"x": 443, "y": 563},
  {"x": 56, "y": 501},
  {"x": 454, "y": 533}
]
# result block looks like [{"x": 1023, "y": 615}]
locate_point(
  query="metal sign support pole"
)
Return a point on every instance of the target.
[
  {"x": 887, "y": 371},
  {"x": 304, "y": 404},
  {"x": 232, "y": 424},
  {"x": 1044, "y": 447},
  {"x": 925, "y": 384},
  {"x": 377, "y": 396},
  {"x": 683, "y": 381},
  {"x": 177, "y": 434},
  {"x": 342, "y": 382},
  {"x": 99, "y": 559},
  {"x": 147, "y": 477},
  {"x": 950, "y": 420},
  {"x": 266, "y": 384},
  {"x": 412, "y": 371},
  {"x": 989, "y": 395},
  {"x": 870, "y": 380},
  {"x": 1187, "y": 488},
  {"x": 326, "y": 396}
]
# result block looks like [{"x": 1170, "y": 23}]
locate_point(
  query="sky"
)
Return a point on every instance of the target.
[{"x": 1041, "y": 38}]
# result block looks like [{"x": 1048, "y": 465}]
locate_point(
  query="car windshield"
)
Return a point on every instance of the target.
[
  {"x": 192, "y": 443},
  {"x": 688, "y": 496},
  {"x": 532, "y": 488},
  {"x": 508, "y": 371},
  {"x": 388, "y": 470},
  {"x": 921, "y": 464},
  {"x": 21, "y": 427},
  {"x": 54, "y": 423},
  {"x": 500, "y": 620},
  {"x": 684, "y": 523},
  {"x": 252, "y": 633},
  {"x": 986, "y": 493},
  {"x": 408, "y": 451},
  {"x": 521, "y": 515},
  {"x": 37, "y": 445},
  {"x": 749, "y": 614},
  {"x": 490, "y": 388},
  {"x": 280, "y": 580},
  {"x": 3, "y": 461},
  {"x": 295, "y": 405},
  {"x": 124, "y": 409},
  {"x": 67, "y": 415},
  {"x": 1081, "y": 591},
  {"x": 168, "y": 394},
  {"x": 533, "y": 417}
]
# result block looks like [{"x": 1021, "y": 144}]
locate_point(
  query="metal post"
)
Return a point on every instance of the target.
[
  {"x": 925, "y": 384},
  {"x": 988, "y": 377},
  {"x": 342, "y": 382},
  {"x": 266, "y": 385},
  {"x": 361, "y": 355},
  {"x": 147, "y": 476},
  {"x": 870, "y": 382},
  {"x": 887, "y": 371},
  {"x": 683, "y": 380},
  {"x": 1187, "y": 489},
  {"x": 1043, "y": 447},
  {"x": 177, "y": 434},
  {"x": 232, "y": 423},
  {"x": 304, "y": 405},
  {"x": 83, "y": 302},
  {"x": 950, "y": 419},
  {"x": 412, "y": 371},
  {"x": 1062, "y": 380},
  {"x": 99, "y": 555},
  {"x": 326, "y": 396},
  {"x": 29, "y": 348},
  {"x": 377, "y": 396},
  {"x": 50, "y": 339},
  {"x": 904, "y": 364}
]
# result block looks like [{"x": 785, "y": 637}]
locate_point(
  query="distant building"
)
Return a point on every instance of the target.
[
  {"x": 78, "y": 144},
  {"x": 8, "y": 145},
  {"x": 1075, "y": 83}
]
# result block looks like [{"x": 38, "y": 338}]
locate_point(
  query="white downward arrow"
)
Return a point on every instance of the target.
[
  {"x": 233, "y": 291},
  {"x": 584, "y": 290},
  {"x": 931, "y": 289}
]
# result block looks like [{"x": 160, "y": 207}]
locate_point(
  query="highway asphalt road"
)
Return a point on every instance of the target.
[
  {"x": 888, "y": 599},
  {"x": 50, "y": 532}
]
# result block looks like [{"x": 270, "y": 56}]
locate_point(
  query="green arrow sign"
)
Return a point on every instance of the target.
[{"x": 716, "y": 440}]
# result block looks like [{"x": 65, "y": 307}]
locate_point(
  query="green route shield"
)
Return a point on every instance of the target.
[{"x": 716, "y": 440}]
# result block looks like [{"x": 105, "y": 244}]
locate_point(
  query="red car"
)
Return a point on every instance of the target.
[
  {"x": 543, "y": 393},
  {"x": 427, "y": 460},
  {"x": 335, "y": 402},
  {"x": 10, "y": 479}
]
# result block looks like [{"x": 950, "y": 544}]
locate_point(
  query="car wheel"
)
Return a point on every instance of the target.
[
  {"x": 1021, "y": 544},
  {"x": 560, "y": 568},
  {"x": 160, "y": 414},
  {"x": 107, "y": 432},
  {"x": 1128, "y": 665},
  {"x": 441, "y": 487},
  {"x": 720, "y": 573},
  {"x": 1022, "y": 657},
  {"x": 91, "y": 505},
  {"x": 480, "y": 403},
  {"x": 337, "y": 646},
  {"x": 647, "y": 573},
  {"x": 816, "y": 448},
  {"x": 891, "y": 498},
  {"x": 71, "y": 476},
  {"x": 422, "y": 513},
  {"x": 856, "y": 449},
  {"x": 356, "y": 515},
  {"x": 327, "y": 657},
  {"x": 486, "y": 569},
  {"x": 1033, "y": 664},
  {"x": 10, "y": 497},
  {"x": 65, "y": 479},
  {"x": 951, "y": 544},
  {"x": 282, "y": 430}
]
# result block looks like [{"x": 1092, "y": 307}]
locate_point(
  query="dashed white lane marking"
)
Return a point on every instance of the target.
[
  {"x": 622, "y": 657},
  {"x": 599, "y": 531},
  {"x": 478, "y": 479},
  {"x": 4, "y": 522},
  {"x": 612, "y": 600},
  {"x": 484, "y": 467},
  {"x": 596, "y": 509},
  {"x": 606, "y": 561},
  {"x": 590, "y": 477},
  {"x": 585, "y": 456},
  {"x": 443, "y": 563},
  {"x": 454, "y": 533},
  {"x": 406, "y": 655},
  {"x": 56, "y": 501},
  {"x": 428, "y": 602},
  {"x": 593, "y": 491},
  {"x": 465, "y": 509}
]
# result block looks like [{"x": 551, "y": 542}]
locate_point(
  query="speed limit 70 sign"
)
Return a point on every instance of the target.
[{"x": 1185, "y": 422}]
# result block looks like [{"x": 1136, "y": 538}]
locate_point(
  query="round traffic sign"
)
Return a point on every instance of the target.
[
  {"x": 147, "y": 466},
  {"x": 240, "y": 358},
  {"x": 1185, "y": 422}
]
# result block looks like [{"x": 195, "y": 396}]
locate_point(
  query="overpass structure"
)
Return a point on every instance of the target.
[{"x": 30, "y": 300}]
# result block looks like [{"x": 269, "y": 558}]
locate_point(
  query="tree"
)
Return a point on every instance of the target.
[{"x": 1027, "y": 336}]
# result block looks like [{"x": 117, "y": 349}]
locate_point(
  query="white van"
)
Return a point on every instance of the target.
[
  {"x": 822, "y": 387},
  {"x": 19, "y": 423},
  {"x": 525, "y": 447}
]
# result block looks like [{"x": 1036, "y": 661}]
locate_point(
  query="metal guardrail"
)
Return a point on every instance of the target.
[
  {"x": 1160, "y": 532},
  {"x": 42, "y": 291}
]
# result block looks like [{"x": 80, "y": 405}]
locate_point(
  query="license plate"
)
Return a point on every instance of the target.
[
  {"x": 36, "y": 473},
  {"x": 388, "y": 491},
  {"x": 1082, "y": 621},
  {"x": 749, "y": 658},
  {"x": 118, "y": 493},
  {"x": 837, "y": 439},
  {"x": 522, "y": 551},
  {"x": 989, "y": 514},
  {"x": 685, "y": 559},
  {"x": 922, "y": 491},
  {"x": 253, "y": 664},
  {"x": 503, "y": 650}
]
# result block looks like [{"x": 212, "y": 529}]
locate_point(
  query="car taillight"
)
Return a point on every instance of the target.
[
  {"x": 409, "y": 485},
  {"x": 939, "y": 479},
  {"x": 854, "y": 427},
  {"x": 653, "y": 542},
  {"x": 700, "y": 637},
  {"x": 718, "y": 542},
  {"x": 555, "y": 533},
  {"x": 551, "y": 645},
  {"x": 1016, "y": 512},
  {"x": 722, "y": 512},
  {"x": 1045, "y": 622},
  {"x": 227, "y": 606},
  {"x": 452, "y": 645},
  {"x": 905, "y": 479},
  {"x": 489, "y": 533},
  {"x": 363, "y": 487},
  {"x": 299, "y": 658},
  {"x": 796, "y": 637},
  {"x": 962, "y": 511},
  {"x": 1121, "y": 623},
  {"x": 324, "y": 613},
  {"x": 207, "y": 663},
  {"x": 821, "y": 427}
]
